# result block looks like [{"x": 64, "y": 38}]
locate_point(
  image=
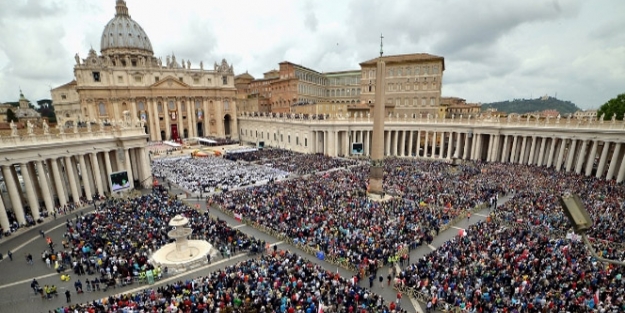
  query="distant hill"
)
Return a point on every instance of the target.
[{"x": 532, "y": 105}]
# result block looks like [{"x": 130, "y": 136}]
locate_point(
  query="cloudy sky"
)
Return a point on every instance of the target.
[{"x": 494, "y": 49}]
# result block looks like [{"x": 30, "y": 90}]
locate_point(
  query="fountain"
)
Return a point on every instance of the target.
[{"x": 183, "y": 254}]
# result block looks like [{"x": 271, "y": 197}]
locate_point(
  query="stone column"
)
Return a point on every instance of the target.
[
  {"x": 58, "y": 183},
  {"x": 14, "y": 196},
  {"x": 614, "y": 161},
  {"x": 128, "y": 168},
  {"x": 571, "y": 156},
  {"x": 552, "y": 150},
  {"x": 523, "y": 146},
  {"x": 458, "y": 144},
  {"x": 108, "y": 167},
  {"x": 621, "y": 172},
  {"x": 418, "y": 149},
  {"x": 478, "y": 147},
  {"x": 541, "y": 151},
  {"x": 190, "y": 109},
  {"x": 96, "y": 172},
  {"x": 561, "y": 154},
  {"x": 36, "y": 186},
  {"x": 425, "y": 145},
  {"x": 402, "y": 142},
  {"x": 179, "y": 119},
  {"x": 591, "y": 158},
  {"x": 388, "y": 143},
  {"x": 85, "y": 176},
  {"x": 603, "y": 158},
  {"x": 69, "y": 169},
  {"x": 513, "y": 154},
  {"x": 465, "y": 153},
  {"x": 490, "y": 148},
  {"x": 581, "y": 157},
  {"x": 146, "y": 168},
  {"x": 450, "y": 145},
  {"x": 505, "y": 150},
  {"x": 433, "y": 144},
  {"x": 532, "y": 151},
  {"x": 157, "y": 120},
  {"x": 30, "y": 192},
  {"x": 4, "y": 218},
  {"x": 410, "y": 139},
  {"x": 45, "y": 189}
]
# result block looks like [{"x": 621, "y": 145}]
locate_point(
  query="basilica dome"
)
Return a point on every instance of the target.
[{"x": 122, "y": 32}]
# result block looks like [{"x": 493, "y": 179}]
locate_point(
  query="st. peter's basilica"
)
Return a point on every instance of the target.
[{"x": 175, "y": 98}]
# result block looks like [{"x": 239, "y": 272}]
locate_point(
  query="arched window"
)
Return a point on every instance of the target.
[
  {"x": 159, "y": 107},
  {"x": 102, "y": 109},
  {"x": 171, "y": 105},
  {"x": 141, "y": 106},
  {"x": 183, "y": 107},
  {"x": 198, "y": 104}
]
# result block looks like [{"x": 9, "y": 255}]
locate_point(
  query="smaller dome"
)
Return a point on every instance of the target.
[{"x": 122, "y": 32}]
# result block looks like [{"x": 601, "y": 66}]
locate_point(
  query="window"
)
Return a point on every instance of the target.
[
  {"x": 183, "y": 107},
  {"x": 159, "y": 107},
  {"x": 224, "y": 80},
  {"x": 180, "y": 78},
  {"x": 96, "y": 76},
  {"x": 288, "y": 138},
  {"x": 423, "y": 101},
  {"x": 198, "y": 104},
  {"x": 102, "y": 109},
  {"x": 64, "y": 96},
  {"x": 415, "y": 101},
  {"x": 432, "y": 101},
  {"x": 171, "y": 105},
  {"x": 435, "y": 69},
  {"x": 406, "y": 102},
  {"x": 416, "y": 70},
  {"x": 226, "y": 105},
  {"x": 120, "y": 79},
  {"x": 297, "y": 141},
  {"x": 141, "y": 106},
  {"x": 210, "y": 81},
  {"x": 397, "y": 102},
  {"x": 305, "y": 142},
  {"x": 138, "y": 79},
  {"x": 196, "y": 81},
  {"x": 156, "y": 79}
]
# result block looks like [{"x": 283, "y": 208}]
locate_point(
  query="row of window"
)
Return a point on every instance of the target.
[
  {"x": 139, "y": 79},
  {"x": 411, "y": 86},
  {"x": 406, "y": 71},
  {"x": 159, "y": 106},
  {"x": 414, "y": 101},
  {"x": 261, "y": 135}
]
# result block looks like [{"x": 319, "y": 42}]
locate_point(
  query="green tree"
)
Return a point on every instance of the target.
[
  {"x": 613, "y": 106},
  {"x": 11, "y": 116}
]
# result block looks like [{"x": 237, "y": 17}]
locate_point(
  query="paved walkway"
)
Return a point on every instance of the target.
[{"x": 15, "y": 276}]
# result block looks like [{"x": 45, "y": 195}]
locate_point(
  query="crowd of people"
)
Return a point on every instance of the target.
[
  {"x": 277, "y": 282},
  {"x": 210, "y": 174},
  {"x": 117, "y": 239},
  {"x": 491, "y": 268},
  {"x": 332, "y": 213},
  {"x": 536, "y": 202}
]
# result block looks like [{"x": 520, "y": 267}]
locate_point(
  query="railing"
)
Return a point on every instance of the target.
[
  {"x": 38, "y": 137},
  {"x": 566, "y": 123}
]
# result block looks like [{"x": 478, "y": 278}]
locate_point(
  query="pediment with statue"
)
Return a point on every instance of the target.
[
  {"x": 224, "y": 67},
  {"x": 169, "y": 82}
]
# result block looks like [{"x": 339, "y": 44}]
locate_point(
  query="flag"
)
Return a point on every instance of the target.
[
  {"x": 596, "y": 298},
  {"x": 237, "y": 216},
  {"x": 320, "y": 307}
]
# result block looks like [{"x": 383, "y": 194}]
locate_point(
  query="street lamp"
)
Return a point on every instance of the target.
[{"x": 580, "y": 219}]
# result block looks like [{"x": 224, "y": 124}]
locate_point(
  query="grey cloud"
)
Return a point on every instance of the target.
[{"x": 310, "y": 21}]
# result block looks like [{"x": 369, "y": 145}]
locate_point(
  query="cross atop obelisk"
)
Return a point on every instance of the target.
[{"x": 381, "y": 45}]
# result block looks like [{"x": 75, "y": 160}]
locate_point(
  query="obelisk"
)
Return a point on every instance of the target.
[{"x": 376, "y": 172}]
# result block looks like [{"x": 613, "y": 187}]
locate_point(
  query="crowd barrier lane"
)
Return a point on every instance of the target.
[{"x": 419, "y": 296}]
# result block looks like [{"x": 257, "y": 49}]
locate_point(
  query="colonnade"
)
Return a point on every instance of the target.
[
  {"x": 601, "y": 157},
  {"x": 47, "y": 183}
]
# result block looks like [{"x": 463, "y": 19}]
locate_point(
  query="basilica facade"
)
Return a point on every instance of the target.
[{"x": 174, "y": 98}]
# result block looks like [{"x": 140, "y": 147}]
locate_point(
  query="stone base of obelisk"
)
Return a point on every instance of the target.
[{"x": 376, "y": 177}]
